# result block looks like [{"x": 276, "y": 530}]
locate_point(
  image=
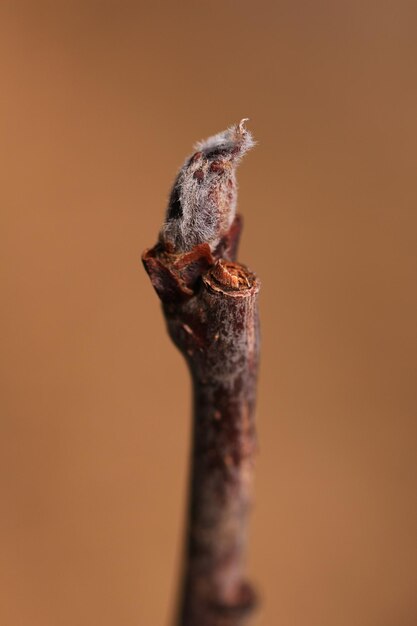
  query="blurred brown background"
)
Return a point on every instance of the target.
[{"x": 100, "y": 103}]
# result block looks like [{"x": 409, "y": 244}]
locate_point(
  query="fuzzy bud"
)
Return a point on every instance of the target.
[{"x": 202, "y": 204}]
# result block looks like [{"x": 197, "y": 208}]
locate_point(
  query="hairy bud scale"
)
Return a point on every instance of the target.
[{"x": 202, "y": 204}]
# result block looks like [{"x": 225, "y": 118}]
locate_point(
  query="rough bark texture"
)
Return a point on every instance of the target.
[{"x": 210, "y": 306}]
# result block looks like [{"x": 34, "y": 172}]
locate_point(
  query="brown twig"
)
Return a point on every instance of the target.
[{"x": 211, "y": 309}]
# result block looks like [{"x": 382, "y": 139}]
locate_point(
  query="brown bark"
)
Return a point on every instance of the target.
[{"x": 210, "y": 305}]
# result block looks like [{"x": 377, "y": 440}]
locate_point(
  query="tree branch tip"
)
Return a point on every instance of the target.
[{"x": 231, "y": 278}]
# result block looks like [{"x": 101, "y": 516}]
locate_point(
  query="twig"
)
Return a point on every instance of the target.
[{"x": 211, "y": 309}]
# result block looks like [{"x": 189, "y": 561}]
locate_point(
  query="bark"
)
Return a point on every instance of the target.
[{"x": 210, "y": 304}]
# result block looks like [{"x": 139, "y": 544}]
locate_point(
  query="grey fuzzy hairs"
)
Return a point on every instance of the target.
[{"x": 202, "y": 204}]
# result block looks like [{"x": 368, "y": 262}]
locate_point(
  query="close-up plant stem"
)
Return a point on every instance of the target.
[{"x": 210, "y": 304}]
